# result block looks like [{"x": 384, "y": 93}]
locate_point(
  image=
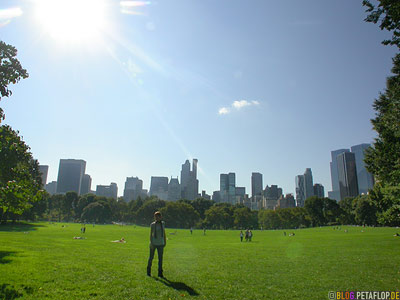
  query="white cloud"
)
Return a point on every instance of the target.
[
  {"x": 237, "y": 104},
  {"x": 9, "y": 13},
  {"x": 223, "y": 111}
]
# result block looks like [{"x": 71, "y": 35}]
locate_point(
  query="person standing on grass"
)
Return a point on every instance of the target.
[
  {"x": 158, "y": 241},
  {"x": 241, "y": 235}
]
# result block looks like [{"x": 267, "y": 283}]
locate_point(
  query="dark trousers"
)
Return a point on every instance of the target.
[{"x": 160, "y": 251}]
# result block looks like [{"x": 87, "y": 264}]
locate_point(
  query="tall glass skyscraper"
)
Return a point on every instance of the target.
[
  {"x": 365, "y": 179},
  {"x": 70, "y": 174},
  {"x": 335, "y": 194},
  {"x": 256, "y": 184},
  {"x": 347, "y": 175}
]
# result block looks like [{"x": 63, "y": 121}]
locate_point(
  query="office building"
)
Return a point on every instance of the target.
[
  {"x": 300, "y": 192},
  {"x": 365, "y": 180},
  {"x": 174, "y": 190},
  {"x": 271, "y": 196},
  {"x": 189, "y": 181},
  {"x": 133, "y": 189},
  {"x": 304, "y": 187},
  {"x": 319, "y": 190},
  {"x": 44, "y": 170},
  {"x": 86, "y": 184},
  {"x": 335, "y": 193},
  {"x": 51, "y": 187},
  {"x": 256, "y": 184},
  {"x": 159, "y": 187},
  {"x": 70, "y": 174},
  {"x": 286, "y": 202},
  {"x": 109, "y": 191},
  {"x": 227, "y": 185},
  {"x": 347, "y": 175}
]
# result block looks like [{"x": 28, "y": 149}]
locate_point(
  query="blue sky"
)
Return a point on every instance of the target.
[{"x": 243, "y": 86}]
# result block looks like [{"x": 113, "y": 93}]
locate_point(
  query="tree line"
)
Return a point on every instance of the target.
[{"x": 199, "y": 213}]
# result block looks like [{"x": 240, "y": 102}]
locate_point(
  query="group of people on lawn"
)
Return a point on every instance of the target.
[{"x": 247, "y": 235}]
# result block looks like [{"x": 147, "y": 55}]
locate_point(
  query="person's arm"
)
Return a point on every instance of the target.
[
  {"x": 165, "y": 237},
  {"x": 151, "y": 231}
]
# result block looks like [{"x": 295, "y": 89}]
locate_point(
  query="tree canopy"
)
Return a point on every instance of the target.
[
  {"x": 11, "y": 71},
  {"x": 20, "y": 180}
]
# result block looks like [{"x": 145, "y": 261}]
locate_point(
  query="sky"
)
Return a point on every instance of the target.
[{"x": 137, "y": 87}]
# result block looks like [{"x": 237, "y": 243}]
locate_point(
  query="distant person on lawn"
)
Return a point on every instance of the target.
[{"x": 157, "y": 241}]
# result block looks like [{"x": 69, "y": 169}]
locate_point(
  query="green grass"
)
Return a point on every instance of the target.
[{"x": 43, "y": 261}]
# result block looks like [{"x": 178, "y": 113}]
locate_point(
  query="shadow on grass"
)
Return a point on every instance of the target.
[
  {"x": 19, "y": 227},
  {"x": 179, "y": 286},
  {"x": 9, "y": 292},
  {"x": 4, "y": 254}
]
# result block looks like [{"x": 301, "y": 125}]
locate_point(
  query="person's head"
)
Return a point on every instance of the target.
[{"x": 157, "y": 216}]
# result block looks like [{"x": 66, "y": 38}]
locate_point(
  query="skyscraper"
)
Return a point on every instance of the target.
[
  {"x": 256, "y": 184},
  {"x": 300, "y": 193},
  {"x": 227, "y": 186},
  {"x": 159, "y": 187},
  {"x": 174, "y": 190},
  {"x": 109, "y": 191},
  {"x": 304, "y": 187},
  {"x": 319, "y": 190},
  {"x": 189, "y": 181},
  {"x": 365, "y": 179},
  {"x": 86, "y": 184},
  {"x": 70, "y": 173},
  {"x": 133, "y": 188},
  {"x": 335, "y": 194},
  {"x": 308, "y": 183},
  {"x": 44, "y": 171},
  {"x": 347, "y": 175}
]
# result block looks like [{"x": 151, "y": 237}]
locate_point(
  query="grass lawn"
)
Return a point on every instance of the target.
[{"x": 43, "y": 261}]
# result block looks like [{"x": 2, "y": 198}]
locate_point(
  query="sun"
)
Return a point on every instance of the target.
[{"x": 72, "y": 21}]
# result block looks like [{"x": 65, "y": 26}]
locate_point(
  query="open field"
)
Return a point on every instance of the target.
[{"x": 43, "y": 261}]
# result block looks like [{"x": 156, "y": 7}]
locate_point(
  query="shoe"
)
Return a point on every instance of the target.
[
  {"x": 160, "y": 275},
  {"x": 148, "y": 272}
]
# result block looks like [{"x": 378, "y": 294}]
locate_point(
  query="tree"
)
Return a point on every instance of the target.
[
  {"x": 315, "y": 209},
  {"x": 84, "y": 201},
  {"x": 11, "y": 71},
  {"x": 387, "y": 201},
  {"x": 71, "y": 199},
  {"x": 98, "y": 212},
  {"x": 347, "y": 211},
  {"x": 145, "y": 214},
  {"x": 383, "y": 159},
  {"x": 201, "y": 205},
  {"x": 269, "y": 219},
  {"x": 20, "y": 179},
  {"x": 387, "y": 12},
  {"x": 365, "y": 210},
  {"x": 179, "y": 215},
  {"x": 243, "y": 218},
  {"x": 219, "y": 216}
]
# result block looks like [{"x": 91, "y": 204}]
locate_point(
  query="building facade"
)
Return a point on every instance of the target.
[
  {"x": 347, "y": 175},
  {"x": 70, "y": 174},
  {"x": 159, "y": 187},
  {"x": 365, "y": 180},
  {"x": 109, "y": 191},
  {"x": 189, "y": 181},
  {"x": 44, "y": 170}
]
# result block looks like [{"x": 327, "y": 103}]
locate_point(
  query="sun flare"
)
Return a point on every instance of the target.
[{"x": 72, "y": 20}]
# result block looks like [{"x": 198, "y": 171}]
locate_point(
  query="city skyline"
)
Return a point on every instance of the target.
[{"x": 270, "y": 88}]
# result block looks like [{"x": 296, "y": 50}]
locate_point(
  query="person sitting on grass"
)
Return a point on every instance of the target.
[{"x": 157, "y": 241}]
